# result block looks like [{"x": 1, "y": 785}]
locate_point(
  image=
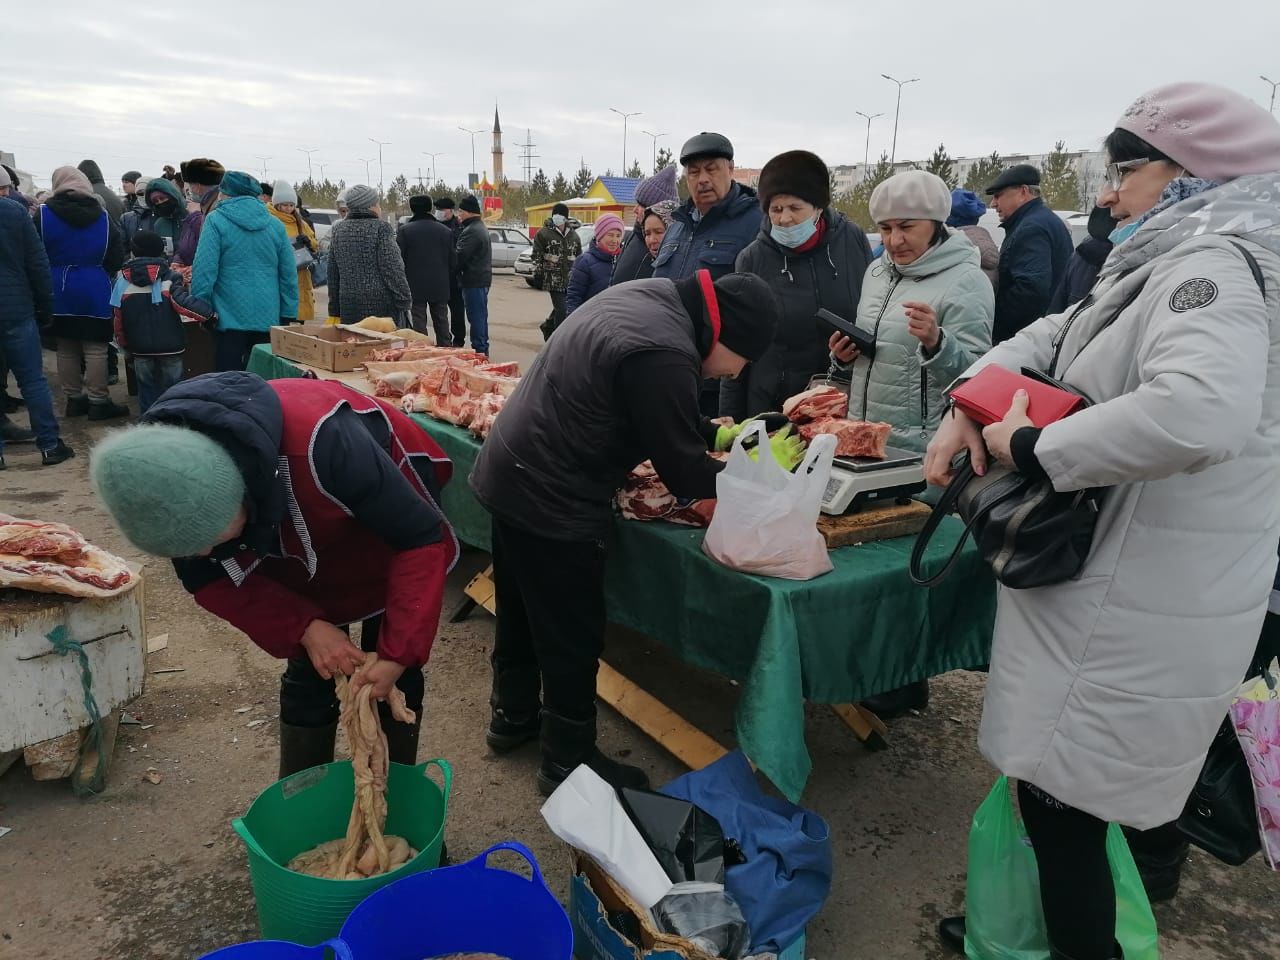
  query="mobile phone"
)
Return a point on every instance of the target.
[{"x": 864, "y": 341}]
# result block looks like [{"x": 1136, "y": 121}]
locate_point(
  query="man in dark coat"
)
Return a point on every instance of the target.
[
  {"x": 158, "y": 207},
  {"x": 618, "y": 384},
  {"x": 475, "y": 274},
  {"x": 129, "y": 184},
  {"x": 1037, "y": 246},
  {"x": 203, "y": 176},
  {"x": 26, "y": 295},
  {"x": 1090, "y": 255},
  {"x": 445, "y": 213},
  {"x": 555, "y": 249},
  {"x": 110, "y": 202},
  {"x": 430, "y": 260}
]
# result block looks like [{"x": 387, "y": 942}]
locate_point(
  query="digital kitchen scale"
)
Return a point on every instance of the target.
[{"x": 858, "y": 481}]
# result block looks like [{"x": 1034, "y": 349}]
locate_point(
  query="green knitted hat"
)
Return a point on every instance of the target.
[{"x": 171, "y": 490}]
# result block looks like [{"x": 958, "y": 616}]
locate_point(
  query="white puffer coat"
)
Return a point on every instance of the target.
[{"x": 1107, "y": 690}]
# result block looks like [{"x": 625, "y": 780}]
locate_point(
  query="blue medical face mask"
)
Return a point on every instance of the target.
[
  {"x": 795, "y": 236},
  {"x": 1120, "y": 234},
  {"x": 557, "y": 219}
]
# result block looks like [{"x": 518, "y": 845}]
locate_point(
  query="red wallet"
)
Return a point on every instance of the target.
[{"x": 988, "y": 395}]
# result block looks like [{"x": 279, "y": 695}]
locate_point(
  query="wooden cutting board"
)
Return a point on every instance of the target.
[{"x": 874, "y": 523}]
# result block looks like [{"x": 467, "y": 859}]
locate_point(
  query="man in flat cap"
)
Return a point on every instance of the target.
[{"x": 1037, "y": 247}]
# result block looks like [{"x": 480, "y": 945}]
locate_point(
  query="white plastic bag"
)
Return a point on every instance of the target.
[{"x": 766, "y": 519}]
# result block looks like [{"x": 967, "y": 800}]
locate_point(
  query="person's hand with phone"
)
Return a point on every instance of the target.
[{"x": 843, "y": 348}]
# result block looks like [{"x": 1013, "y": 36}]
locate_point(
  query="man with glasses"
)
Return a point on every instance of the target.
[{"x": 1034, "y": 256}]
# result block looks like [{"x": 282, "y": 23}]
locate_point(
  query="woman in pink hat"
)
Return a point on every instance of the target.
[
  {"x": 1106, "y": 690},
  {"x": 592, "y": 270}
]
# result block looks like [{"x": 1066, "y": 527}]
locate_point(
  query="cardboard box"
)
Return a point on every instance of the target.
[
  {"x": 325, "y": 347},
  {"x": 593, "y": 896}
]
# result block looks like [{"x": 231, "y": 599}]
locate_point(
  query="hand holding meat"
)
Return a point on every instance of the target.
[
  {"x": 957, "y": 434},
  {"x": 842, "y": 348},
  {"x": 998, "y": 436},
  {"x": 331, "y": 651},
  {"x": 922, "y": 323},
  {"x": 380, "y": 675}
]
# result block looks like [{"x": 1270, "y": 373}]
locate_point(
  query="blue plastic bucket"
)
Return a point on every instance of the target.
[
  {"x": 470, "y": 908},
  {"x": 280, "y": 950}
]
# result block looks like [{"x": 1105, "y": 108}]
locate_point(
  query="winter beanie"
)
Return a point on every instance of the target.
[
  {"x": 609, "y": 221},
  {"x": 361, "y": 197},
  {"x": 470, "y": 204},
  {"x": 658, "y": 188},
  {"x": 798, "y": 173},
  {"x": 5, "y": 179},
  {"x": 147, "y": 243},
  {"x": 235, "y": 183},
  {"x": 283, "y": 192},
  {"x": 1213, "y": 132},
  {"x": 911, "y": 195},
  {"x": 966, "y": 208},
  {"x": 133, "y": 176},
  {"x": 171, "y": 490},
  {"x": 749, "y": 314}
]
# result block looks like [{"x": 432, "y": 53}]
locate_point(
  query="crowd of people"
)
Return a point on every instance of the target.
[{"x": 1104, "y": 692}]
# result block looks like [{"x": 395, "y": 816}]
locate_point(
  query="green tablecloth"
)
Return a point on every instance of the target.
[{"x": 862, "y": 629}]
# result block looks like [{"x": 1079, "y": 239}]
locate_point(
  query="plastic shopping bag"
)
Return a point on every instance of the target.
[
  {"x": 1256, "y": 718},
  {"x": 1004, "y": 919},
  {"x": 766, "y": 518}
]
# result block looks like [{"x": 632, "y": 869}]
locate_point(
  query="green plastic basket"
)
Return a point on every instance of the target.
[{"x": 313, "y": 807}]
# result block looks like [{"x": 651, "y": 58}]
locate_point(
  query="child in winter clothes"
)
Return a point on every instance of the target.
[{"x": 150, "y": 306}]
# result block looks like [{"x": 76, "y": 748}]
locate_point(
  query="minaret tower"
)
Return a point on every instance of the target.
[{"x": 497, "y": 147}]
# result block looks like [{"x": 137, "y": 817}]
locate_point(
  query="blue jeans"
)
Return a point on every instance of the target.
[
  {"x": 476, "y": 300},
  {"x": 155, "y": 376},
  {"x": 20, "y": 340}
]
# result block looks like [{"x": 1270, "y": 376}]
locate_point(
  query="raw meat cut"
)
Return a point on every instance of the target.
[
  {"x": 487, "y": 409},
  {"x": 394, "y": 385},
  {"x": 509, "y": 369},
  {"x": 420, "y": 352},
  {"x": 816, "y": 403},
  {"x": 854, "y": 438},
  {"x": 645, "y": 497},
  {"x": 53, "y": 558}
]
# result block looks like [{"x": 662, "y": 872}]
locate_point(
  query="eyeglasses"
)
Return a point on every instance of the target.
[{"x": 1116, "y": 171}]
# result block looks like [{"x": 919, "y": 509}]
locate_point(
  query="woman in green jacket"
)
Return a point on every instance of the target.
[{"x": 930, "y": 308}]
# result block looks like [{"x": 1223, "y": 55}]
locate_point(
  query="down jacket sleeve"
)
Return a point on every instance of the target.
[
  {"x": 579, "y": 279},
  {"x": 269, "y": 613},
  {"x": 966, "y": 329},
  {"x": 1201, "y": 376},
  {"x": 204, "y": 271},
  {"x": 391, "y": 266},
  {"x": 287, "y": 268},
  {"x": 36, "y": 262}
]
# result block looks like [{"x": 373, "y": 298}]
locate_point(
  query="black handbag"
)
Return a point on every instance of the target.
[{"x": 1220, "y": 816}]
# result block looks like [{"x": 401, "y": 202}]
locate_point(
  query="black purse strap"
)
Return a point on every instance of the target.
[{"x": 946, "y": 504}]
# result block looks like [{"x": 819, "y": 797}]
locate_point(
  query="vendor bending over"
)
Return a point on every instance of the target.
[
  {"x": 292, "y": 509},
  {"x": 616, "y": 385}
]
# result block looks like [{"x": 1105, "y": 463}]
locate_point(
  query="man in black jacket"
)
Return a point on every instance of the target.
[
  {"x": 475, "y": 274},
  {"x": 1082, "y": 270},
  {"x": 430, "y": 261},
  {"x": 617, "y": 384},
  {"x": 446, "y": 214},
  {"x": 1033, "y": 258}
]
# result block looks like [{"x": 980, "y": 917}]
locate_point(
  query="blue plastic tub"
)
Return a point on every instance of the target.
[
  {"x": 470, "y": 908},
  {"x": 280, "y": 950}
]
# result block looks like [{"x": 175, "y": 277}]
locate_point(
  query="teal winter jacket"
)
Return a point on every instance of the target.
[{"x": 245, "y": 266}]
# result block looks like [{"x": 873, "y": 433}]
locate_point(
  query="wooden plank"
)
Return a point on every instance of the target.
[
  {"x": 874, "y": 523},
  {"x": 110, "y": 726},
  {"x": 858, "y": 719},
  {"x": 673, "y": 732},
  {"x": 53, "y": 759},
  {"x": 482, "y": 590}
]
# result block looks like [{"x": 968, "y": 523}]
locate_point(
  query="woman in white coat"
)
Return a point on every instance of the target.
[{"x": 1106, "y": 691}]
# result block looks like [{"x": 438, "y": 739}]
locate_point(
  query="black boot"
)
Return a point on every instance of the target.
[
  {"x": 57, "y": 455},
  {"x": 951, "y": 932},
  {"x": 402, "y": 738},
  {"x": 107, "y": 411},
  {"x": 1159, "y": 854},
  {"x": 77, "y": 406},
  {"x": 304, "y": 747},
  {"x": 567, "y": 743},
  {"x": 10, "y": 432},
  {"x": 507, "y": 732},
  {"x": 895, "y": 703},
  {"x": 515, "y": 707}
]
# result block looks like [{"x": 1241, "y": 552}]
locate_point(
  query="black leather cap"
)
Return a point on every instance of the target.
[
  {"x": 1019, "y": 175},
  {"x": 706, "y": 145}
]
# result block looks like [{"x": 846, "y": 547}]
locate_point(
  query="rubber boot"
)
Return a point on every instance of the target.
[
  {"x": 951, "y": 931},
  {"x": 305, "y": 747},
  {"x": 896, "y": 703},
  {"x": 402, "y": 738},
  {"x": 567, "y": 743}
]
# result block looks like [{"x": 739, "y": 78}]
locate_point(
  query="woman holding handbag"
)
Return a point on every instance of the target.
[
  {"x": 1106, "y": 690},
  {"x": 302, "y": 238}
]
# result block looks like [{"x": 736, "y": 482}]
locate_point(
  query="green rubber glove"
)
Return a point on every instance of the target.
[
  {"x": 726, "y": 435},
  {"x": 788, "y": 449}
]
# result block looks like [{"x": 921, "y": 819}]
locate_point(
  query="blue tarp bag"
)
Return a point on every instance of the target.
[{"x": 787, "y": 874}]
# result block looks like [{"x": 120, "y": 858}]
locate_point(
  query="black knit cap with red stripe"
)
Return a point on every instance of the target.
[{"x": 742, "y": 311}]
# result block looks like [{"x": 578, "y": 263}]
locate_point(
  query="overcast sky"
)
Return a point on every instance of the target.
[{"x": 140, "y": 85}]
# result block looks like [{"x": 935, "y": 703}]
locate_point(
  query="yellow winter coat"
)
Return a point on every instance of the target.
[{"x": 293, "y": 224}]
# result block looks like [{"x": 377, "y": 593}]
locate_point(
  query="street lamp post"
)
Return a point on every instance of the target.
[
  {"x": 893, "y": 155},
  {"x": 1274, "y": 84},
  {"x": 473, "y": 148},
  {"x": 433, "y": 156},
  {"x": 264, "y": 164},
  {"x": 625, "y": 117},
  {"x": 381, "y": 144},
  {"x": 866, "y": 152},
  {"x": 309, "y": 153},
  {"x": 366, "y": 162},
  {"x": 655, "y": 147}
]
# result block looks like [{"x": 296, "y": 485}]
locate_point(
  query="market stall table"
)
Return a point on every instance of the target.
[{"x": 860, "y": 630}]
